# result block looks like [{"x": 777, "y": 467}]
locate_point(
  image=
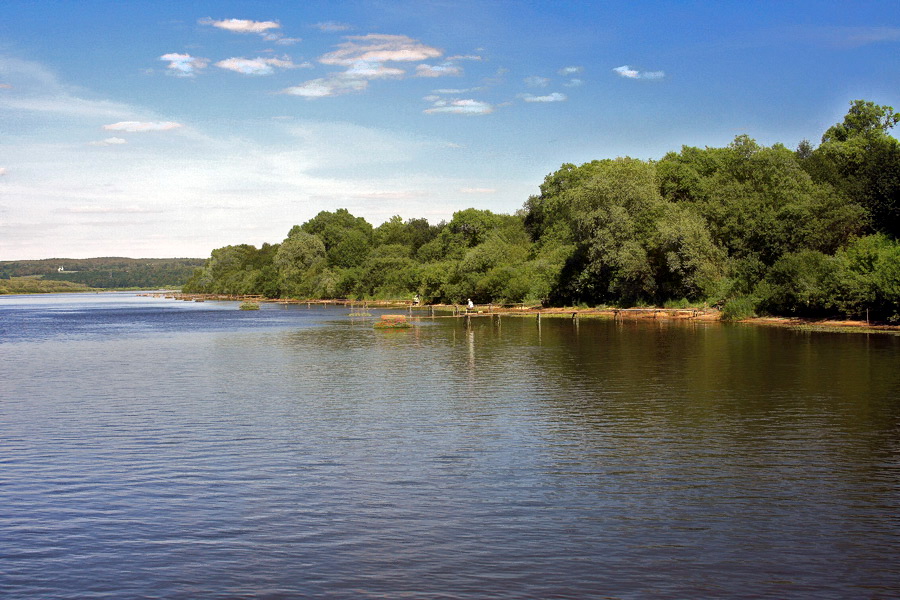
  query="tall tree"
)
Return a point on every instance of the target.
[{"x": 860, "y": 158}]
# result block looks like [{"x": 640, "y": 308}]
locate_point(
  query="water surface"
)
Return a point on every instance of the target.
[{"x": 152, "y": 448}]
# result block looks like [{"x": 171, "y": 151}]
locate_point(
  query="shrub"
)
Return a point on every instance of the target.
[{"x": 740, "y": 308}]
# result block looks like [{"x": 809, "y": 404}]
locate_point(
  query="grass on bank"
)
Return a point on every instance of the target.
[{"x": 34, "y": 285}]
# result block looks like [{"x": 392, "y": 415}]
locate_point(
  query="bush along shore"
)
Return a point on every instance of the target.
[
  {"x": 698, "y": 314},
  {"x": 747, "y": 230}
]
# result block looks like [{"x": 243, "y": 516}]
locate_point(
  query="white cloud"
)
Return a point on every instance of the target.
[
  {"x": 138, "y": 126},
  {"x": 95, "y": 209},
  {"x": 460, "y": 107},
  {"x": 626, "y": 71},
  {"x": 241, "y": 25},
  {"x": 455, "y": 91},
  {"x": 39, "y": 92},
  {"x": 258, "y": 66},
  {"x": 464, "y": 57},
  {"x": 378, "y": 48},
  {"x": 206, "y": 191},
  {"x": 5, "y": 86},
  {"x": 535, "y": 81},
  {"x": 364, "y": 58},
  {"x": 113, "y": 141},
  {"x": 858, "y": 36},
  {"x": 554, "y": 97},
  {"x": 438, "y": 70},
  {"x": 836, "y": 36},
  {"x": 470, "y": 190},
  {"x": 64, "y": 104},
  {"x": 260, "y": 27},
  {"x": 567, "y": 71},
  {"x": 327, "y": 86},
  {"x": 629, "y": 73},
  {"x": 183, "y": 65},
  {"x": 391, "y": 195},
  {"x": 573, "y": 83},
  {"x": 279, "y": 39},
  {"x": 366, "y": 70},
  {"x": 331, "y": 26},
  {"x": 2, "y": 171}
]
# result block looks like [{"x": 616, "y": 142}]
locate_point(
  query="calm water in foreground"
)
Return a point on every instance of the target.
[{"x": 151, "y": 448}]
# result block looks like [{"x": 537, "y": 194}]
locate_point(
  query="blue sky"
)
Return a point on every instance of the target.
[{"x": 169, "y": 128}]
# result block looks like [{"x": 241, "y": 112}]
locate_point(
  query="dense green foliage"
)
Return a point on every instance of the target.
[
  {"x": 34, "y": 285},
  {"x": 107, "y": 273},
  {"x": 751, "y": 228}
]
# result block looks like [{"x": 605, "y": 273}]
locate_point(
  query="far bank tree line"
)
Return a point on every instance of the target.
[
  {"x": 105, "y": 272},
  {"x": 812, "y": 231}
]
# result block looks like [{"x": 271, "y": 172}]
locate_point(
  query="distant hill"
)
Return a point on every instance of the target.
[{"x": 107, "y": 272}]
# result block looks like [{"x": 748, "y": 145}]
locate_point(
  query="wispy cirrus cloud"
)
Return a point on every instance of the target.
[
  {"x": 442, "y": 70},
  {"x": 141, "y": 126},
  {"x": 112, "y": 141},
  {"x": 97, "y": 209},
  {"x": 569, "y": 72},
  {"x": 457, "y": 91},
  {"x": 630, "y": 73},
  {"x": 39, "y": 92},
  {"x": 263, "y": 28},
  {"x": 477, "y": 190},
  {"x": 259, "y": 66},
  {"x": 5, "y": 86},
  {"x": 183, "y": 65},
  {"x": 836, "y": 36},
  {"x": 379, "y": 48},
  {"x": 241, "y": 25},
  {"x": 365, "y": 70},
  {"x": 364, "y": 59},
  {"x": 332, "y": 26},
  {"x": 460, "y": 107},
  {"x": 324, "y": 87},
  {"x": 535, "y": 81},
  {"x": 281, "y": 39},
  {"x": 554, "y": 97},
  {"x": 391, "y": 195},
  {"x": 861, "y": 36},
  {"x": 2, "y": 171}
]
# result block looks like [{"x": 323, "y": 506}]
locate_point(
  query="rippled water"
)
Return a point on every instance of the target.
[{"x": 159, "y": 449}]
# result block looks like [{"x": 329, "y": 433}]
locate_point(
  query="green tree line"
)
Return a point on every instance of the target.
[
  {"x": 753, "y": 229},
  {"x": 107, "y": 272}
]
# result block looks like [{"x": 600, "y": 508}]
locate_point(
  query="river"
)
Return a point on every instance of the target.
[{"x": 151, "y": 448}]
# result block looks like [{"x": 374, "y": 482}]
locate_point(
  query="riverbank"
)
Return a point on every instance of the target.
[
  {"x": 35, "y": 285},
  {"x": 699, "y": 314}
]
